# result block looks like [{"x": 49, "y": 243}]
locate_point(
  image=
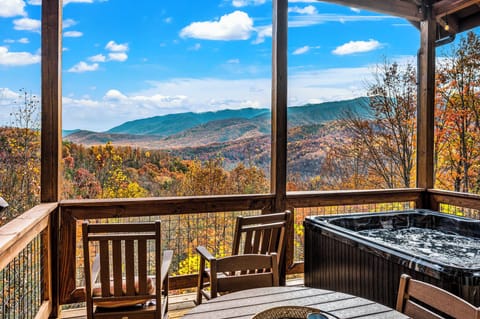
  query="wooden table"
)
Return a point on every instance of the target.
[{"x": 244, "y": 304}]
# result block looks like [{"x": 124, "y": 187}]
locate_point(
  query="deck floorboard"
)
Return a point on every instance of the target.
[{"x": 178, "y": 305}]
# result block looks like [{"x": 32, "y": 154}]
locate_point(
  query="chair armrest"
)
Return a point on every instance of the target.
[
  {"x": 166, "y": 262},
  {"x": 204, "y": 253}
]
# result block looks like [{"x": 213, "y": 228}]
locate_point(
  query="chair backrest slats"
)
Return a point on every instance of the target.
[
  {"x": 117, "y": 267},
  {"x": 104, "y": 268},
  {"x": 142, "y": 267},
  {"x": 422, "y": 300},
  {"x": 414, "y": 310},
  {"x": 130, "y": 266},
  {"x": 260, "y": 234},
  {"x": 266, "y": 238},
  {"x": 248, "y": 244}
]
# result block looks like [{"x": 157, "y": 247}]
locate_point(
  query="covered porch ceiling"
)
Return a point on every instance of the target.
[{"x": 452, "y": 16}]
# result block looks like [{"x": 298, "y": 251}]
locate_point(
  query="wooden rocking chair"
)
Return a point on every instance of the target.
[
  {"x": 261, "y": 235},
  {"x": 125, "y": 290}
]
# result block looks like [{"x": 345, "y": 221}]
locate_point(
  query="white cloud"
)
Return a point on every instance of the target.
[
  {"x": 114, "y": 95},
  {"x": 262, "y": 33},
  {"x": 117, "y": 56},
  {"x": 356, "y": 10},
  {"x": 27, "y": 24},
  {"x": 7, "y": 94},
  {"x": 17, "y": 58},
  {"x": 301, "y": 50},
  {"x": 82, "y": 66},
  {"x": 168, "y": 20},
  {"x": 35, "y": 2},
  {"x": 196, "y": 47},
  {"x": 72, "y": 34},
  {"x": 67, "y": 23},
  {"x": 234, "y": 26},
  {"x": 21, "y": 40},
  {"x": 65, "y": 2},
  {"x": 8, "y": 98},
  {"x": 233, "y": 61},
  {"x": 12, "y": 8},
  {"x": 115, "y": 47},
  {"x": 306, "y": 10},
  {"x": 297, "y": 21},
  {"x": 325, "y": 85},
  {"x": 357, "y": 47},
  {"x": 244, "y": 3},
  {"x": 98, "y": 58}
]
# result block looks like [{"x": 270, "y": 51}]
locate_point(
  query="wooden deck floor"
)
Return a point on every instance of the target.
[{"x": 178, "y": 304}]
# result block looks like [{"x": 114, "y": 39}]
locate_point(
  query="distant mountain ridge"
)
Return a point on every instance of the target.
[
  {"x": 174, "y": 123},
  {"x": 198, "y": 129}
]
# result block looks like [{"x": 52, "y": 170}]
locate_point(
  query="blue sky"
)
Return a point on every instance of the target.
[{"x": 125, "y": 59}]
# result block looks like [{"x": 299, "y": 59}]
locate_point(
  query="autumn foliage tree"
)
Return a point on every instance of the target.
[
  {"x": 378, "y": 151},
  {"x": 457, "y": 135},
  {"x": 20, "y": 157}
]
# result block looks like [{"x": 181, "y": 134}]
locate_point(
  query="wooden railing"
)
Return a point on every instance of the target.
[
  {"x": 25, "y": 264},
  {"x": 73, "y": 211},
  {"x": 58, "y": 242}
]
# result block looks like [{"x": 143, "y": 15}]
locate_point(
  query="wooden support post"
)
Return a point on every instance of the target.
[
  {"x": 51, "y": 137},
  {"x": 279, "y": 114},
  {"x": 426, "y": 104},
  {"x": 278, "y": 170}
]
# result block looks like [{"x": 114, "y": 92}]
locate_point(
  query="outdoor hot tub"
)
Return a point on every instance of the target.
[{"x": 365, "y": 254}]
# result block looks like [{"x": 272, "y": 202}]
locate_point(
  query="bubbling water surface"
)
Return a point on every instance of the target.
[{"x": 446, "y": 248}]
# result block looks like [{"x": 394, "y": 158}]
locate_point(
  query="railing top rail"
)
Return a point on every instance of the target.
[
  {"x": 356, "y": 192},
  {"x": 16, "y": 235},
  {"x": 85, "y": 209},
  {"x": 465, "y": 200},
  {"x": 352, "y": 197},
  {"x": 453, "y": 193},
  {"x": 150, "y": 200}
]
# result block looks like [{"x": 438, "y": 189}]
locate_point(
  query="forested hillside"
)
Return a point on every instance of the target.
[{"x": 199, "y": 129}]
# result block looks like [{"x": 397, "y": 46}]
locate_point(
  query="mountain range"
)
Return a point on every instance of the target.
[{"x": 184, "y": 130}]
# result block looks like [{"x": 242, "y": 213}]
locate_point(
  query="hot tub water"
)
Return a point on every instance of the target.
[{"x": 446, "y": 248}]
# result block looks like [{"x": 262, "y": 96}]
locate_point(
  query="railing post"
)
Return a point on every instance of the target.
[
  {"x": 426, "y": 101},
  {"x": 53, "y": 266},
  {"x": 278, "y": 174},
  {"x": 51, "y": 137}
]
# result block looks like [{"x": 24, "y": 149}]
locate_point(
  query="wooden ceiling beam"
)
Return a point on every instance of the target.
[
  {"x": 399, "y": 8},
  {"x": 446, "y": 7},
  {"x": 468, "y": 23}
]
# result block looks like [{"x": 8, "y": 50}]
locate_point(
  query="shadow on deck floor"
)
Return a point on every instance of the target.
[{"x": 178, "y": 304}]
